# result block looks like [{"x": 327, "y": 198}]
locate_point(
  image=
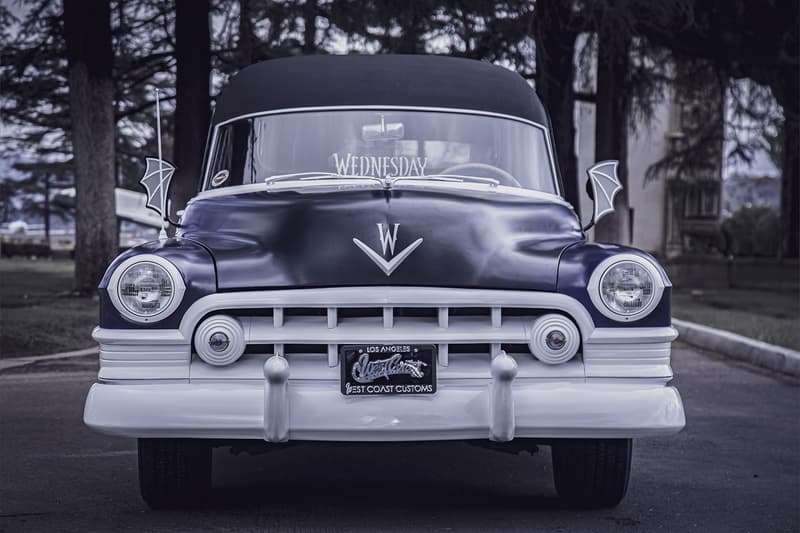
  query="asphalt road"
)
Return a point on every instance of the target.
[{"x": 735, "y": 468}]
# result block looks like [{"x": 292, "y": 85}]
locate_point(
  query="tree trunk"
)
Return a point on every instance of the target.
[
  {"x": 310, "y": 27},
  {"x": 47, "y": 208},
  {"x": 555, "y": 73},
  {"x": 790, "y": 179},
  {"x": 786, "y": 89},
  {"x": 611, "y": 125},
  {"x": 87, "y": 32},
  {"x": 192, "y": 100},
  {"x": 244, "y": 46},
  {"x": 410, "y": 40}
]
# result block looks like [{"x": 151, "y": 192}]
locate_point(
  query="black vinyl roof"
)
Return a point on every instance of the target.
[{"x": 395, "y": 80}]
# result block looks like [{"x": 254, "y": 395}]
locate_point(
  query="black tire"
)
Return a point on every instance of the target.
[
  {"x": 592, "y": 473},
  {"x": 174, "y": 473}
]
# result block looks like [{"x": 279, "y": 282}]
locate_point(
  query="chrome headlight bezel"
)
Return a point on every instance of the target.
[
  {"x": 595, "y": 283},
  {"x": 178, "y": 288}
]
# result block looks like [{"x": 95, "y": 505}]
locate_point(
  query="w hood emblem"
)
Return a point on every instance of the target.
[{"x": 388, "y": 239}]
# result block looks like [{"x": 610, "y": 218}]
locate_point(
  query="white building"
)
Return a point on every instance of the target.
[{"x": 669, "y": 216}]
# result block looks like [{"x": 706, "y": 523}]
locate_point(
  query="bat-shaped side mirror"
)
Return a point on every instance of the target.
[
  {"x": 602, "y": 185},
  {"x": 156, "y": 182}
]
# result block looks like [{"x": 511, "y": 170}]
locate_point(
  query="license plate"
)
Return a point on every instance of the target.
[{"x": 375, "y": 369}]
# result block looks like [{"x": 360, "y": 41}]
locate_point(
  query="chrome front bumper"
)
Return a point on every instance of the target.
[{"x": 278, "y": 408}]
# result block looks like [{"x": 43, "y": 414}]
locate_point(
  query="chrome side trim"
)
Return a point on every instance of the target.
[
  {"x": 138, "y": 337},
  {"x": 633, "y": 335},
  {"x": 135, "y": 354},
  {"x": 215, "y": 131}
]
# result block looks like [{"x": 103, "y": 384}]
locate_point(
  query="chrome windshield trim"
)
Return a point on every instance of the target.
[
  {"x": 344, "y": 184},
  {"x": 453, "y": 110},
  {"x": 323, "y": 175}
]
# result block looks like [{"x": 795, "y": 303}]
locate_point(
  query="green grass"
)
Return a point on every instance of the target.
[
  {"x": 38, "y": 315},
  {"x": 769, "y": 316}
]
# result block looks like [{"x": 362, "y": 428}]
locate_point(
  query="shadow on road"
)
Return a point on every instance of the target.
[{"x": 379, "y": 479}]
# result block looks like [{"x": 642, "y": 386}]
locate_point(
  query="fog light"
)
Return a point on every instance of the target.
[
  {"x": 219, "y": 340},
  {"x": 554, "y": 339}
]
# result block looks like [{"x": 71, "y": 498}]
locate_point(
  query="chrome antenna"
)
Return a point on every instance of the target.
[{"x": 163, "y": 233}]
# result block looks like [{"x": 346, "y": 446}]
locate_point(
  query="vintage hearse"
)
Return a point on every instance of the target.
[{"x": 379, "y": 250}]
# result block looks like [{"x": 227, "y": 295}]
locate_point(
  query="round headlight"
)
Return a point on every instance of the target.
[
  {"x": 146, "y": 288},
  {"x": 625, "y": 287}
]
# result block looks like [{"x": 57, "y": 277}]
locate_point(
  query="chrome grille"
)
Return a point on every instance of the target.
[
  {"x": 330, "y": 327},
  {"x": 605, "y": 352}
]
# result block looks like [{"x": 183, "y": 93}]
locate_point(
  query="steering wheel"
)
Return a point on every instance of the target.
[{"x": 483, "y": 166}]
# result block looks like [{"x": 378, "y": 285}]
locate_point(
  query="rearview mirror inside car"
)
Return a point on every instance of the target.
[{"x": 383, "y": 131}]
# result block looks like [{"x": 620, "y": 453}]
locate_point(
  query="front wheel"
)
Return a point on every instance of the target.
[
  {"x": 592, "y": 472},
  {"x": 174, "y": 472}
]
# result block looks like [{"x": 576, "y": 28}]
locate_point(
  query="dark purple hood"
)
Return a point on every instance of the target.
[{"x": 290, "y": 239}]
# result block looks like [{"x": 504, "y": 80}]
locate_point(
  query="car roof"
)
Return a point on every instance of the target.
[{"x": 383, "y": 79}]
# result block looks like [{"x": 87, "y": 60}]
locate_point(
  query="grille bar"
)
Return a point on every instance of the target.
[
  {"x": 314, "y": 330},
  {"x": 444, "y": 317},
  {"x": 497, "y": 317},
  {"x": 444, "y": 354}
]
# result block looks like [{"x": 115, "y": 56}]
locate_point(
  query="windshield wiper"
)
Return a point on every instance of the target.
[
  {"x": 452, "y": 178},
  {"x": 314, "y": 176},
  {"x": 318, "y": 176}
]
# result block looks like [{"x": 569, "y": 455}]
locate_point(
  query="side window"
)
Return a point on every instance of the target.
[
  {"x": 229, "y": 163},
  {"x": 219, "y": 167}
]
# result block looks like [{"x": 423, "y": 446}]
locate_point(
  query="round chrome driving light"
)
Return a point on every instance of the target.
[
  {"x": 146, "y": 288},
  {"x": 219, "y": 340},
  {"x": 554, "y": 339},
  {"x": 626, "y": 287}
]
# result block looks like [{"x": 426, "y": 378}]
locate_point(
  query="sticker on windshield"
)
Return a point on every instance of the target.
[{"x": 383, "y": 166}]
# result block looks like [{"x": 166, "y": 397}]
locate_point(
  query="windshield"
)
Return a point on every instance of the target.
[{"x": 384, "y": 144}]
